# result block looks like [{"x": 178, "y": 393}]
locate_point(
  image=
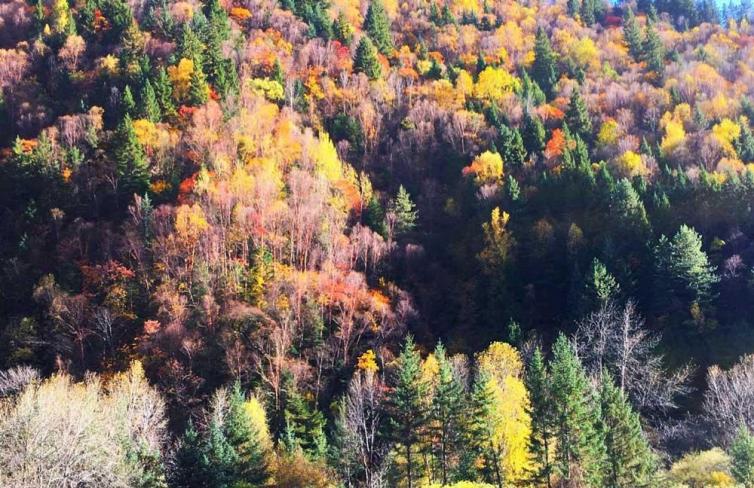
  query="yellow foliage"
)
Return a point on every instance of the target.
[
  {"x": 430, "y": 369},
  {"x": 464, "y": 83},
  {"x": 500, "y": 360},
  {"x": 258, "y": 419},
  {"x": 270, "y": 89},
  {"x": 674, "y": 136},
  {"x": 461, "y": 7},
  {"x": 725, "y": 133},
  {"x": 608, "y": 134},
  {"x": 630, "y": 164},
  {"x": 368, "y": 362},
  {"x": 584, "y": 52},
  {"x": 486, "y": 168},
  {"x": 180, "y": 76},
  {"x": 108, "y": 64},
  {"x": 326, "y": 159},
  {"x": 190, "y": 222},
  {"x": 146, "y": 132},
  {"x": 708, "y": 468},
  {"x": 495, "y": 83},
  {"x": 61, "y": 15}
]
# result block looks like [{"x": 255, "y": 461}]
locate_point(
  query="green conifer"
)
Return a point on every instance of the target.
[
  {"x": 377, "y": 26},
  {"x": 365, "y": 60},
  {"x": 544, "y": 69}
]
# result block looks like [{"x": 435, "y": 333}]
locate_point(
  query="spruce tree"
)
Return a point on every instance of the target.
[
  {"x": 628, "y": 209},
  {"x": 544, "y": 69},
  {"x": 188, "y": 471},
  {"x": 198, "y": 89},
  {"x": 131, "y": 161},
  {"x": 377, "y": 26},
  {"x": 533, "y": 134},
  {"x": 408, "y": 407},
  {"x": 127, "y": 103},
  {"x": 150, "y": 108},
  {"x": 629, "y": 459},
  {"x": 219, "y": 459},
  {"x": 632, "y": 34},
  {"x": 573, "y": 7},
  {"x": 741, "y": 453},
  {"x": 481, "y": 430},
  {"x": 447, "y": 420},
  {"x": 304, "y": 425},
  {"x": 653, "y": 51},
  {"x": 577, "y": 117},
  {"x": 512, "y": 146},
  {"x": 600, "y": 287},
  {"x": 683, "y": 268},
  {"x": 541, "y": 411},
  {"x": 163, "y": 90},
  {"x": 365, "y": 60},
  {"x": 587, "y": 12},
  {"x": 404, "y": 211},
  {"x": 745, "y": 144},
  {"x": 342, "y": 29},
  {"x": 580, "y": 452},
  {"x": 251, "y": 466}
]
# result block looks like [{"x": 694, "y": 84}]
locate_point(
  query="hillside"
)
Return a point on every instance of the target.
[{"x": 334, "y": 243}]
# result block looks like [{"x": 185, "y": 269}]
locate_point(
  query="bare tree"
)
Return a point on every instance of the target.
[
  {"x": 362, "y": 425},
  {"x": 729, "y": 399},
  {"x": 614, "y": 340},
  {"x": 15, "y": 379}
]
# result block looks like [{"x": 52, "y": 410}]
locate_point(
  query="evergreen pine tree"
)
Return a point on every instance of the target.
[
  {"x": 251, "y": 466},
  {"x": 304, "y": 425},
  {"x": 342, "y": 29},
  {"x": 198, "y": 89},
  {"x": 541, "y": 412},
  {"x": 653, "y": 51},
  {"x": 278, "y": 74},
  {"x": 150, "y": 108},
  {"x": 741, "y": 453},
  {"x": 577, "y": 117},
  {"x": 628, "y": 209},
  {"x": 684, "y": 269},
  {"x": 188, "y": 471},
  {"x": 580, "y": 453},
  {"x": 131, "y": 161},
  {"x": 544, "y": 69},
  {"x": 512, "y": 146},
  {"x": 219, "y": 459},
  {"x": 404, "y": 211},
  {"x": 629, "y": 459},
  {"x": 481, "y": 430},
  {"x": 587, "y": 12},
  {"x": 190, "y": 46},
  {"x": 127, "y": 103},
  {"x": 377, "y": 26},
  {"x": 632, "y": 34},
  {"x": 533, "y": 134},
  {"x": 408, "y": 407},
  {"x": 365, "y": 60},
  {"x": 163, "y": 90},
  {"x": 745, "y": 144},
  {"x": 573, "y": 7},
  {"x": 600, "y": 287},
  {"x": 447, "y": 420}
]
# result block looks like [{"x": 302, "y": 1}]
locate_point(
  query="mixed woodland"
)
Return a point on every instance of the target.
[{"x": 376, "y": 243}]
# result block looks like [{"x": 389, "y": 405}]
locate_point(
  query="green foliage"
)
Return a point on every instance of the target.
[
  {"x": 600, "y": 286},
  {"x": 365, "y": 60},
  {"x": 404, "y": 212},
  {"x": 131, "y": 161},
  {"x": 127, "y": 103},
  {"x": 150, "y": 107},
  {"x": 629, "y": 459},
  {"x": 653, "y": 50},
  {"x": 541, "y": 441},
  {"x": 342, "y": 29},
  {"x": 544, "y": 70},
  {"x": 741, "y": 453},
  {"x": 408, "y": 412},
  {"x": 576, "y": 418},
  {"x": 163, "y": 90},
  {"x": 377, "y": 26},
  {"x": 533, "y": 134},
  {"x": 251, "y": 466},
  {"x": 632, "y": 34},
  {"x": 447, "y": 422},
  {"x": 578, "y": 118}
]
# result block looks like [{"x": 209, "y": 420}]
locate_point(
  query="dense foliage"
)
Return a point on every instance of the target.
[{"x": 335, "y": 243}]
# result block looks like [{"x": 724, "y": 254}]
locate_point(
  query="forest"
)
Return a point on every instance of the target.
[{"x": 376, "y": 243}]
